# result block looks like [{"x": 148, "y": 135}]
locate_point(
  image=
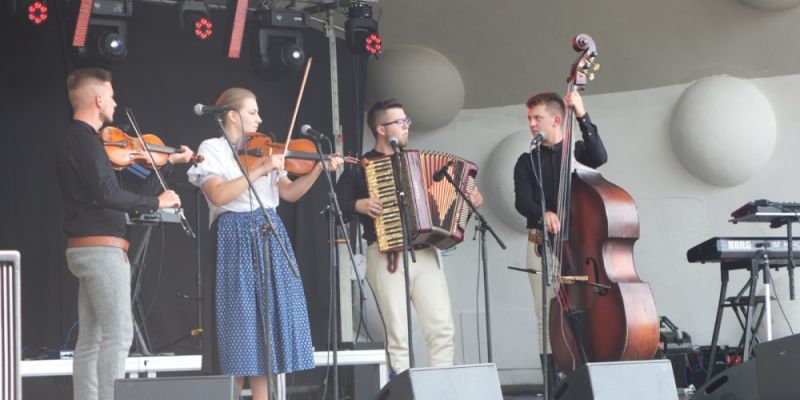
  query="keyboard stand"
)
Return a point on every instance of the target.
[
  {"x": 140, "y": 235},
  {"x": 758, "y": 264}
]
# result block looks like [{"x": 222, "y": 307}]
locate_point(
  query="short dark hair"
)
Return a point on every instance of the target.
[
  {"x": 80, "y": 77},
  {"x": 552, "y": 101},
  {"x": 377, "y": 111}
]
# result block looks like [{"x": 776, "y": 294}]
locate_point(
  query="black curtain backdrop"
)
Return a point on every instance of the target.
[{"x": 162, "y": 78}]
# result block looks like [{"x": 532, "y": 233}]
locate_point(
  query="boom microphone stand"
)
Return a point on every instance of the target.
[
  {"x": 483, "y": 226},
  {"x": 268, "y": 230}
]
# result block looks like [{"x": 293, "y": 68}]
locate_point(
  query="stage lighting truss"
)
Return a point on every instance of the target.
[
  {"x": 361, "y": 31},
  {"x": 194, "y": 20},
  {"x": 106, "y": 41}
]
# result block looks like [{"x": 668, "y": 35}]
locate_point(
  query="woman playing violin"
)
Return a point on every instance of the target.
[{"x": 236, "y": 220}]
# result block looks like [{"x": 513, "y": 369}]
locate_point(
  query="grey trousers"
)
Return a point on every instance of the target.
[{"x": 105, "y": 321}]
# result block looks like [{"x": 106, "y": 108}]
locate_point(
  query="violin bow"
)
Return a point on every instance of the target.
[
  {"x": 178, "y": 210},
  {"x": 297, "y": 104}
]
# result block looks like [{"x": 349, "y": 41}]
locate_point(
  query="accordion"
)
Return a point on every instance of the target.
[{"x": 437, "y": 214}]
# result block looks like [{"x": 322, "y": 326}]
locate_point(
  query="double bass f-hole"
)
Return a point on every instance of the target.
[{"x": 597, "y": 287}]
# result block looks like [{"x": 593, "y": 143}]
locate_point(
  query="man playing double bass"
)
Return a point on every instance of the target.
[{"x": 546, "y": 112}]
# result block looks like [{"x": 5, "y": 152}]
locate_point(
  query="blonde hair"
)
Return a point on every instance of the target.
[
  {"x": 234, "y": 97},
  {"x": 82, "y": 78}
]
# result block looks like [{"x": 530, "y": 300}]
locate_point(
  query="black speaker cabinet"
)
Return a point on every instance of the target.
[
  {"x": 624, "y": 380},
  {"x": 460, "y": 382},
  {"x": 177, "y": 388},
  {"x": 771, "y": 375},
  {"x": 735, "y": 383},
  {"x": 777, "y": 363}
]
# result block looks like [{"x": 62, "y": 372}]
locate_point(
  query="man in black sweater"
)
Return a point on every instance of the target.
[
  {"x": 546, "y": 112},
  {"x": 94, "y": 221}
]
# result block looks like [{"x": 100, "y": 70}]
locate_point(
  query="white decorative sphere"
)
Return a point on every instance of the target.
[
  {"x": 426, "y": 82},
  {"x": 723, "y": 130},
  {"x": 497, "y": 181},
  {"x": 771, "y": 5}
]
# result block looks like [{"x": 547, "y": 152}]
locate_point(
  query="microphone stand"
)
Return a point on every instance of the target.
[
  {"x": 178, "y": 210},
  {"x": 545, "y": 269},
  {"x": 408, "y": 246},
  {"x": 482, "y": 227},
  {"x": 268, "y": 229},
  {"x": 334, "y": 214}
]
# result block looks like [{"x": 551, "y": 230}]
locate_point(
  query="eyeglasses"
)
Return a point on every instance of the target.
[{"x": 400, "y": 121}]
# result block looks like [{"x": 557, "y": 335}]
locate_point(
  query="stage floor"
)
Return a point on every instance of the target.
[{"x": 151, "y": 366}]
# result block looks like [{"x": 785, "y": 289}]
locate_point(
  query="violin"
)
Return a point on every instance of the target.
[
  {"x": 124, "y": 150},
  {"x": 300, "y": 156}
]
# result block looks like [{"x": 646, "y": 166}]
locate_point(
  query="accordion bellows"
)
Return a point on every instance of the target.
[{"x": 437, "y": 214}]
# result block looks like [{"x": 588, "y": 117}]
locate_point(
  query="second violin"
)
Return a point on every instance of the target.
[
  {"x": 300, "y": 158},
  {"x": 123, "y": 149}
]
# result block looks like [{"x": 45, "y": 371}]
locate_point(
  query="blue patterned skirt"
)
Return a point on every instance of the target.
[{"x": 240, "y": 300}]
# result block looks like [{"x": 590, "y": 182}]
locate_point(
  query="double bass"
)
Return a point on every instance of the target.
[{"x": 601, "y": 311}]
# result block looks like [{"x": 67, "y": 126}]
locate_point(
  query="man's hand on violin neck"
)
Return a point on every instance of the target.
[
  {"x": 334, "y": 162},
  {"x": 169, "y": 199},
  {"x": 182, "y": 156}
]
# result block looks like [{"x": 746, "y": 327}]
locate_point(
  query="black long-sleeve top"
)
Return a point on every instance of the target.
[
  {"x": 352, "y": 186},
  {"x": 94, "y": 202},
  {"x": 589, "y": 151}
]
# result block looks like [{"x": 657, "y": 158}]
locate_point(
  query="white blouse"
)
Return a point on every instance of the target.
[{"x": 219, "y": 162}]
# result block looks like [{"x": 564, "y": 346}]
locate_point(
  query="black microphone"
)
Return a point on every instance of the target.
[
  {"x": 200, "y": 109},
  {"x": 395, "y": 143},
  {"x": 309, "y": 131},
  {"x": 438, "y": 175},
  {"x": 538, "y": 138}
]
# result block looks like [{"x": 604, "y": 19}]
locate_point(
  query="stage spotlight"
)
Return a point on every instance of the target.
[
  {"x": 33, "y": 11},
  {"x": 361, "y": 31},
  {"x": 37, "y": 12},
  {"x": 106, "y": 41},
  {"x": 111, "y": 45},
  {"x": 275, "y": 53},
  {"x": 194, "y": 20}
]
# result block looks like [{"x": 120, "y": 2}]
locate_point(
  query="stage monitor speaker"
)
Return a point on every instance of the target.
[
  {"x": 460, "y": 382},
  {"x": 735, "y": 383},
  {"x": 623, "y": 380},
  {"x": 776, "y": 367},
  {"x": 177, "y": 388}
]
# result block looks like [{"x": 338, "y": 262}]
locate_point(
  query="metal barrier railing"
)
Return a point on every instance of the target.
[{"x": 10, "y": 331}]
